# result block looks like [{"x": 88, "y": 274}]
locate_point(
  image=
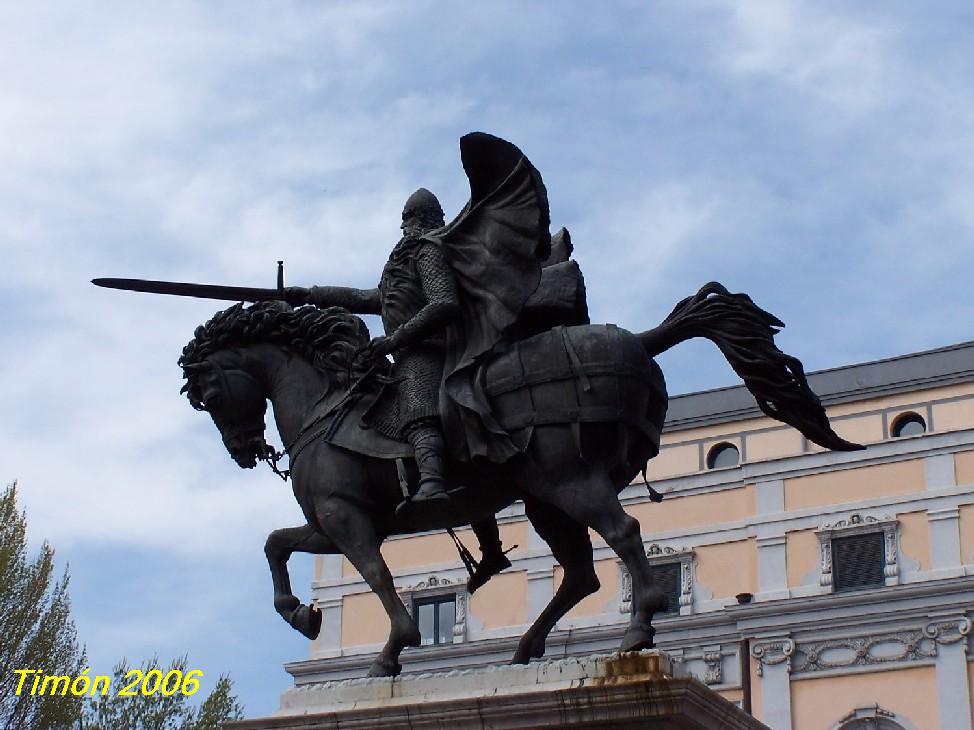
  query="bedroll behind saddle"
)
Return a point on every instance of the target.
[{"x": 577, "y": 375}]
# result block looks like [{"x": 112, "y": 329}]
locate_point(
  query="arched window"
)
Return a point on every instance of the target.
[
  {"x": 908, "y": 424},
  {"x": 873, "y": 718},
  {"x": 723, "y": 455}
]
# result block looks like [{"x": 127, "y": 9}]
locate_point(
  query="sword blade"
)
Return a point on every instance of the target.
[{"x": 185, "y": 289}]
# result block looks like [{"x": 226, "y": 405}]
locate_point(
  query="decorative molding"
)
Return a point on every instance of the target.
[
  {"x": 625, "y": 600},
  {"x": 435, "y": 585},
  {"x": 660, "y": 555},
  {"x": 715, "y": 667},
  {"x": 872, "y": 718},
  {"x": 857, "y": 524},
  {"x": 432, "y": 582},
  {"x": 656, "y": 551},
  {"x": 770, "y": 652},
  {"x": 949, "y": 630},
  {"x": 818, "y": 656},
  {"x": 460, "y": 624},
  {"x": 856, "y": 520}
]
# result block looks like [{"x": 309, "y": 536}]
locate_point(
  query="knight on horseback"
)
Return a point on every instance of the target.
[{"x": 417, "y": 299}]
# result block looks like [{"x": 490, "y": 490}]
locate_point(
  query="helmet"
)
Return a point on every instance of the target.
[{"x": 423, "y": 205}]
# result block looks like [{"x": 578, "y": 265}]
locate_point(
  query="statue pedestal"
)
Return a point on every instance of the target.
[{"x": 627, "y": 691}]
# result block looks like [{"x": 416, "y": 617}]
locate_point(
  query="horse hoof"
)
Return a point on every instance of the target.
[
  {"x": 384, "y": 668},
  {"x": 307, "y": 620},
  {"x": 526, "y": 652},
  {"x": 638, "y": 638}
]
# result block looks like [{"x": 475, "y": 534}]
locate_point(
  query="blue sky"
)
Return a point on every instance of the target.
[{"x": 817, "y": 155}]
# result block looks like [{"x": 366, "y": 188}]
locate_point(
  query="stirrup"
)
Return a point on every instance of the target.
[{"x": 488, "y": 567}]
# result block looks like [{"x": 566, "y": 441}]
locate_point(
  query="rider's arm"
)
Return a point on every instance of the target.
[
  {"x": 440, "y": 288},
  {"x": 359, "y": 301}
]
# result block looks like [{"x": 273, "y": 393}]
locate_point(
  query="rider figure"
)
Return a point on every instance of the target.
[{"x": 417, "y": 300}]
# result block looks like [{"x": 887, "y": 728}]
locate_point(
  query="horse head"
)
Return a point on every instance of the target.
[
  {"x": 237, "y": 403},
  {"x": 233, "y": 364}
]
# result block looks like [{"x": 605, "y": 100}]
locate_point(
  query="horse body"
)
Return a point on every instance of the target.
[
  {"x": 349, "y": 499},
  {"x": 595, "y": 405}
]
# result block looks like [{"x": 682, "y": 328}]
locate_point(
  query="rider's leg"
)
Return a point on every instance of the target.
[
  {"x": 492, "y": 560},
  {"x": 429, "y": 449},
  {"x": 420, "y": 370}
]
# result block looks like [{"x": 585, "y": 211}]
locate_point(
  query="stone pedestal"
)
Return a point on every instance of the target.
[{"x": 624, "y": 691}]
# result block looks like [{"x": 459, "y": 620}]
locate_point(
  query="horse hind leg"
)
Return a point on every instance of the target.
[
  {"x": 354, "y": 534},
  {"x": 572, "y": 548},
  {"x": 280, "y": 545},
  {"x": 586, "y": 494}
]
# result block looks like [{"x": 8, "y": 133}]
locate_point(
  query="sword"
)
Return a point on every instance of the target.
[{"x": 202, "y": 291}]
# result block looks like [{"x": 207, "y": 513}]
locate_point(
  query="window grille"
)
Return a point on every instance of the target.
[
  {"x": 667, "y": 578},
  {"x": 858, "y": 561},
  {"x": 859, "y": 551}
]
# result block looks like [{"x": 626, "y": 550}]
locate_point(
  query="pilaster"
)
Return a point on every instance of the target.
[
  {"x": 953, "y": 691},
  {"x": 773, "y": 655}
]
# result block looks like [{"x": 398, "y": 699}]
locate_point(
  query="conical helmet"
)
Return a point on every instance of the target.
[{"x": 423, "y": 205}]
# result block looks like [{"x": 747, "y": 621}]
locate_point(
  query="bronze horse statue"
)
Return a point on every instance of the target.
[{"x": 606, "y": 401}]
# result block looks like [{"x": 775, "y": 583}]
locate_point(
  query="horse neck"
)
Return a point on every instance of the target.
[{"x": 293, "y": 387}]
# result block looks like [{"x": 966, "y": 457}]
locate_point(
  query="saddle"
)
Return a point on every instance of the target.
[{"x": 566, "y": 375}]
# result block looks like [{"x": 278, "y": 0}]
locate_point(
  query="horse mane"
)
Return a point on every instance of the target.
[{"x": 327, "y": 337}]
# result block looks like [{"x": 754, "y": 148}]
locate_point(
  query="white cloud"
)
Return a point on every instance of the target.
[{"x": 837, "y": 57}]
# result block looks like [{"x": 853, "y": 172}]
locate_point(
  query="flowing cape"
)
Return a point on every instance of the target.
[{"x": 495, "y": 246}]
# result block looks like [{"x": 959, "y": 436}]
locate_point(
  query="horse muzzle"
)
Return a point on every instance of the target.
[{"x": 247, "y": 450}]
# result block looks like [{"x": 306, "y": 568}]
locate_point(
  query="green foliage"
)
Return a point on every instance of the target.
[
  {"x": 36, "y": 631},
  {"x": 156, "y": 711}
]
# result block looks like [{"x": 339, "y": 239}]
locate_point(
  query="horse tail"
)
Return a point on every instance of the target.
[{"x": 745, "y": 335}]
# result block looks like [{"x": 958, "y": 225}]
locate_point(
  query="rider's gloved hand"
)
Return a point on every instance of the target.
[{"x": 377, "y": 349}]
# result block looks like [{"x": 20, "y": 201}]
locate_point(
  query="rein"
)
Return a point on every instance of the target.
[{"x": 273, "y": 457}]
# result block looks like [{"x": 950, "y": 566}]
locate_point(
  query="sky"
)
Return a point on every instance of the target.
[{"x": 817, "y": 155}]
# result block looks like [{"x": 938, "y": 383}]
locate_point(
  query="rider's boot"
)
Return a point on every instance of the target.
[
  {"x": 428, "y": 449},
  {"x": 492, "y": 560}
]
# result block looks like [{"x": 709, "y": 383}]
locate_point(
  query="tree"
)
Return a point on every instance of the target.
[
  {"x": 155, "y": 710},
  {"x": 36, "y": 630}
]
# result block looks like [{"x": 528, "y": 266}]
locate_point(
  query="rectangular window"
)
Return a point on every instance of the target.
[
  {"x": 435, "y": 618},
  {"x": 858, "y": 560},
  {"x": 667, "y": 577}
]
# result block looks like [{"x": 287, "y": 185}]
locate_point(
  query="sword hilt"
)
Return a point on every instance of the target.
[{"x": 280, "y": 280}]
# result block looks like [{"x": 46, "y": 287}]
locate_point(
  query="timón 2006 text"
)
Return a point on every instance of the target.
[{"x": 145, "y": 683}]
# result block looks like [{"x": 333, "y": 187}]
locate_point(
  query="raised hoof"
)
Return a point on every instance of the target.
[
  {"x": 489, "y": 566},
  {"x": 638, "y": 638},
  {"x": 307, "y": 620},
  {"x": 384, "y": 668}
]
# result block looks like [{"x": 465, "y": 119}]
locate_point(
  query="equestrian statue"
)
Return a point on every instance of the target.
[{"x": 499, "y": 390}]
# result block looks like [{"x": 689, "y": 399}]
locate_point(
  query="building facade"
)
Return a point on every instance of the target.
[{"x": 819, "y": 590}]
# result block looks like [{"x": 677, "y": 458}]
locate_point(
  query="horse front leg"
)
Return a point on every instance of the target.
[
  {"x": 354, "y": 534},
  {"x": 280, "y": 545}
]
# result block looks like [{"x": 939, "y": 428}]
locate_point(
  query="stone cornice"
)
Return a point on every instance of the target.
[
  {"x": 811, "y": 618},
  {"x": 907, "y": 373}
]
